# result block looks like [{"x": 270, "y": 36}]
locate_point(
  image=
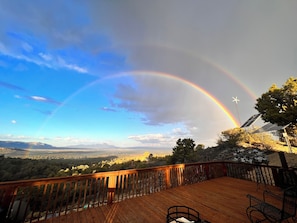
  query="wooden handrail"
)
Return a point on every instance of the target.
[{"x": 38, "y": 199}]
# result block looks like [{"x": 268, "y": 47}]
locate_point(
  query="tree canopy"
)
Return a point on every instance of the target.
[
  {"x": 238, "y": 137},
  {"x": 231, "y": 138},
  {"x": 279, "y": 105},
  {"x": 184, "y": 151}
]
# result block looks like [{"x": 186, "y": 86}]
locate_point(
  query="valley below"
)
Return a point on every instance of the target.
[{"x": 80, "y": 153}]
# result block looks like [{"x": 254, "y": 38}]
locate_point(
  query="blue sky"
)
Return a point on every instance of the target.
[{"x": 138, "y": 73}]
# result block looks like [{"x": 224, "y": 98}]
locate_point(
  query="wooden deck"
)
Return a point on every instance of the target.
[{"x": 218, "y": 200}]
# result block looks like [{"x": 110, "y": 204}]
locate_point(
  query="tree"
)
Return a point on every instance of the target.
[
  {"x": 184, "y": 151},
  {"x": 231, "y": 138},
  {"x": 279, "y": 105},
  {"x": 200, "y": 146},
  {"x": 238, "y": 137}
]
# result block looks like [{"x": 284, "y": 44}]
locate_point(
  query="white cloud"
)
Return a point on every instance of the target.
[
  {"x": 46, "y": 57},
  {"x": 27, "y": 47},
  {"x": 14, "y": 137},
  {"x": 108, "y": 109},
  {"x": 179, "y": 131},
  {"x": 3, "y": 49},
  {"x": 63, "y": 63},
  {"x": 13, "y": 121},
  {"x": 194, "y": 128},
  {"x": 43, "y": 99},
  {"x": 43, "y": 59},
  {"x": 149, "y": 138},
  {"x": 38, "y": 98},
  {"x": 76, "y": 68},
  {"x": 159, "y": 139}
]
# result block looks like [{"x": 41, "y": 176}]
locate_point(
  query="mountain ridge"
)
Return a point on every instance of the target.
[{"x": 25, "y": 145}]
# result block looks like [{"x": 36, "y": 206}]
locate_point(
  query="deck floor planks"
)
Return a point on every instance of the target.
[{"x": 217, "y": 200}]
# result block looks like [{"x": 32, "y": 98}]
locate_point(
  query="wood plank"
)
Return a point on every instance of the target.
[{"x": 217, "y": 200}]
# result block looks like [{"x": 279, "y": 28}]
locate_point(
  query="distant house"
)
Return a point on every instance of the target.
[{"x": 273, "y": 129}]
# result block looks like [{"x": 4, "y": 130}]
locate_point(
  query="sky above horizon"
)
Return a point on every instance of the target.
[{"x": 139, "y": 73}]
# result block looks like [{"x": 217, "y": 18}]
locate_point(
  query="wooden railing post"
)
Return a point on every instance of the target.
[
  {"x": 224, "y": 169},
  {"x": 8, "y": 198},
  {"x": 277, "y": 173},
  {"x": 168, "y": 180},
  {"x": 111, "y": 188},
  {"x": 207, "y": 171}
]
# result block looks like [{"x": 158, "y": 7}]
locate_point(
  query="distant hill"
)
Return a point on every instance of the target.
[
  {"x": 24, "y": 145},
  {"x": 92, "y": 146}
]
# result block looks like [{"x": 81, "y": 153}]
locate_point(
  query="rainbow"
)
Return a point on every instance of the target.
[
  {"x": 187, "y": 82},
  {"x": 157, "y": 74},
  {"x": 230, "y": 75},
  {"x": 144, "y": 73},
  {"x": 147, "y": 73}
]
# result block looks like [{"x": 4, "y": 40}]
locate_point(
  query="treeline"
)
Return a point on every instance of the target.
[
  {"x": 22, "y": 169},
  {"x": 12, "y": 169}
]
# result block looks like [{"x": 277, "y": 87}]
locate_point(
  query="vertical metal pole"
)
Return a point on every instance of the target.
[
  {"x": 285, "y": 134},
  {"x": 283, "y": 160}
]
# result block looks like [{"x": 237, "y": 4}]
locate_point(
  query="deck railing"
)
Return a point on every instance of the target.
[{"x": 35, "y": 200}]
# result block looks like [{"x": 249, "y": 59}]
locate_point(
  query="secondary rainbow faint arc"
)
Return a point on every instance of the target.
[
  {"x": 230, "y": 75},
  {"x": 211, "y": 63}
]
